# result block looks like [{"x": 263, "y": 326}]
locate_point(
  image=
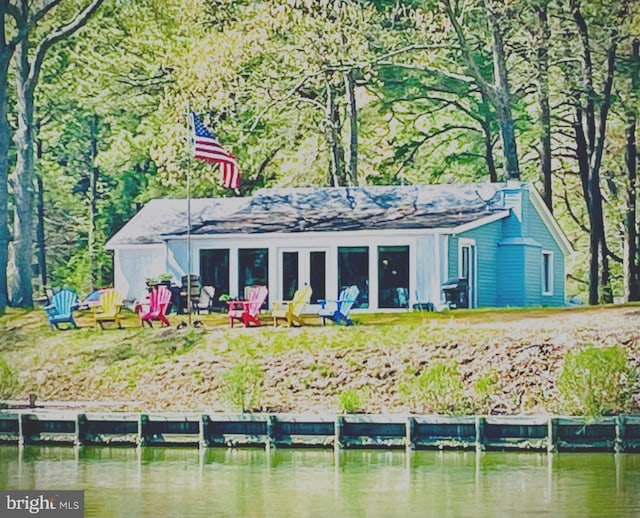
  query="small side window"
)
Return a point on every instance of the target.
[{"x": 547, "y": 273}]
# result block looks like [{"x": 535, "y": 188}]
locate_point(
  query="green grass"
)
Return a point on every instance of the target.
[{"x": 321, "y": 362}]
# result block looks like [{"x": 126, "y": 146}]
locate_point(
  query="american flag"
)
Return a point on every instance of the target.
[{"x": 206, "y": 147}]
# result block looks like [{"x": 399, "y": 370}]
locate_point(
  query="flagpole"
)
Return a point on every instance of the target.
[{"x": 190, "y": 137}]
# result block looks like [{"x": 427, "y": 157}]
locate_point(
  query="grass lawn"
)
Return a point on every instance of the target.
[{"x": 309, "y": 369}]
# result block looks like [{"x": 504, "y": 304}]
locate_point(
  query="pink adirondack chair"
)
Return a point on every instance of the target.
[
  {"x": 156, "y": 307},
  {"x": 247, "y": 310}
]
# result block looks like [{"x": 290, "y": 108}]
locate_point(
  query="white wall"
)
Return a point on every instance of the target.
[
  {"x": 133, "y": 264},
  {"x": 426, "y": 256}
]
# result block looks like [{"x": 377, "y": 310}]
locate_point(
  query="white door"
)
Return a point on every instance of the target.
[
  {"x": 300, "y": 266},
  {"x": 467, "y": 267}
]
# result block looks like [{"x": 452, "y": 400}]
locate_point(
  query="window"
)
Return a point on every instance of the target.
[
  {"x": 353, "y": 268},
  {"x": 547, "y": 273},
  {"x": 393, "y": 276},
  {"x": 214, "y": 271},
  {"x": 289, "y": 274},
  {"x": 253, "y": 268}
]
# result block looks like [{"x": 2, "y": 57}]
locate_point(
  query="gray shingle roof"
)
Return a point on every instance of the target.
[{"x": 312, "y": 210}]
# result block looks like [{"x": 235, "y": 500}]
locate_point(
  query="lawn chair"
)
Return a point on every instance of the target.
[
  {"x": 63, "y": 304},
  {"x": 338, "y": 310},
  {"x": 109, "y": 308},
  {"x": 291, "y": 311},
  {"x": 247, "y": 310},
  {"x": 205, "y": 300},
  {"x": 156, "y": 307}
]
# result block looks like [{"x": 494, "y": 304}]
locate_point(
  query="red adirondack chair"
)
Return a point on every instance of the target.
[
  {"x": 247, "y": 310},
  {"x": 156, "y": 308}
]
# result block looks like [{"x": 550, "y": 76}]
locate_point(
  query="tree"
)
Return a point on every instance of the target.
[
  {"x": 497, "y": 91},
  {"x": 591, "y": 110},
  {"x": 27, "y": 74}
]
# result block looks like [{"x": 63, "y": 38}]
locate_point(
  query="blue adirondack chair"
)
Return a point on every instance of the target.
[
  {"x": 338, "y": 310},
  {"x": 60, "y": 311}
]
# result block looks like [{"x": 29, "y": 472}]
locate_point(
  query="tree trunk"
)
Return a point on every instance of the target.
[
  {"x": 5, "y": 138},
  {"x": 6, "y": 50},
  {"x": 40, "y": 231},
  {"x": 20, "y": 289},
  {"x": 590, "y": 126},
  {"x": 631, "y": 262},
  {"x": 487, "y": 137},
  {"x": 352, "y": 113},
  {"x": 502, "y": 102},
  {"x": 336, "y": 151},
  {"x": 498, "y": 93},
  {"x": 543, "y": 101},
  {"x": 93, "y": 198}
]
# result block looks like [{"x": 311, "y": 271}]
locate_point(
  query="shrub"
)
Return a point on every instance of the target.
[
  {"x": 485, "y": 387},
  {"x": 8, "y": 380},
  {"x": 439, "y": 387},
  {"x": 595, "y": 381},
  {"x": 353, "y": 401},
  {"x": 243, "y": 384}
]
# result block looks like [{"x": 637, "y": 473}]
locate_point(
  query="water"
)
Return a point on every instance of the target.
[{"x": 166, "y": 482}]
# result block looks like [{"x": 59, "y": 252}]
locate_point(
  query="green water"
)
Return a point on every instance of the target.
[{"x": 162, "y": 482}]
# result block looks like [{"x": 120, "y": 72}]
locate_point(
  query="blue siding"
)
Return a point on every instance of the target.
[
  {"x": 486, "y": 237},
  {"x": 509, "y": 257},
  {"x": 510, "y": 283},
  {"x": 537, "y": 230}
]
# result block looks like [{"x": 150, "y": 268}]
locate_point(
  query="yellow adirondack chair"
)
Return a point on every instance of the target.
[
  {"x": 109, "y": 308},
  {"x": 291, "y": 310}
]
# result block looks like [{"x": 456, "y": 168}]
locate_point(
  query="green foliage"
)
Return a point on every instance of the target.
[
  {"x": 485, "y": 387},
  {"x": 353, "y": 401},
  {"x": 9, "y": 384},
  {"x": 439, "y": 387},
  {"x": 596, "y": 381},
  {"x": 243, "y": 384}
]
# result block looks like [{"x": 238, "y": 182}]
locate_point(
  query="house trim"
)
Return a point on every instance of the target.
[
  {"x": 547, "y": 276},
  {"x": 473, "y": 268},
  {"x": 477, "y": 223},
  {"x": 550, "y": 222}
]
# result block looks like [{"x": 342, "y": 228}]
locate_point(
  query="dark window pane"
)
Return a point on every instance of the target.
[
  {"x": 253, "y": 268},
  {"x": 353, "y": 268},
  {"x": 317, "y": 275},
  {"x": 289, "y": 274},
  {"x": 393, "y": 276},
  {"x": 214, "y": 271}
]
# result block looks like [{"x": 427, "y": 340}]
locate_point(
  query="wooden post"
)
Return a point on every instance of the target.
[
  {"x": 203, "y": 442},
  {"x": 142, "y": 419},
  {"x": 409, "y": 439},
  {"x": 81, "y": 426},
  {"x": 337, "y": 441},
  {"x": 552, "y": 434},
  {"x": 479, "y": 433},
  {"x": 271, "y": 432},
  {"x": 620, "y": 434},
  {"x": 21, "y": 438}
]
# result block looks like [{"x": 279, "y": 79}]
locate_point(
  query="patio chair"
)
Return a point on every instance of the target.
[
  {"x": 291, "y": 310},
  {"x": 109, "y": 308},
  {"x": 247, "y": 311},
  {"x": 338, "y": 310},
  {"x": 155, "y": 308},
  {"x": 190, "y": 290},
  {"x": 60, "y": 311},
  {"x": 205, "y": 300}
]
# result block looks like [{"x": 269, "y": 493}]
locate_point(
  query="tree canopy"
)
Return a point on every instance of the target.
[{"x": 313, "y": 92}]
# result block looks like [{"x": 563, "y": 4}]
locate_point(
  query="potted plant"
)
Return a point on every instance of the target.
[
  {"x": 151, "y": 282},
  {"x": 165, "y": 279}
]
